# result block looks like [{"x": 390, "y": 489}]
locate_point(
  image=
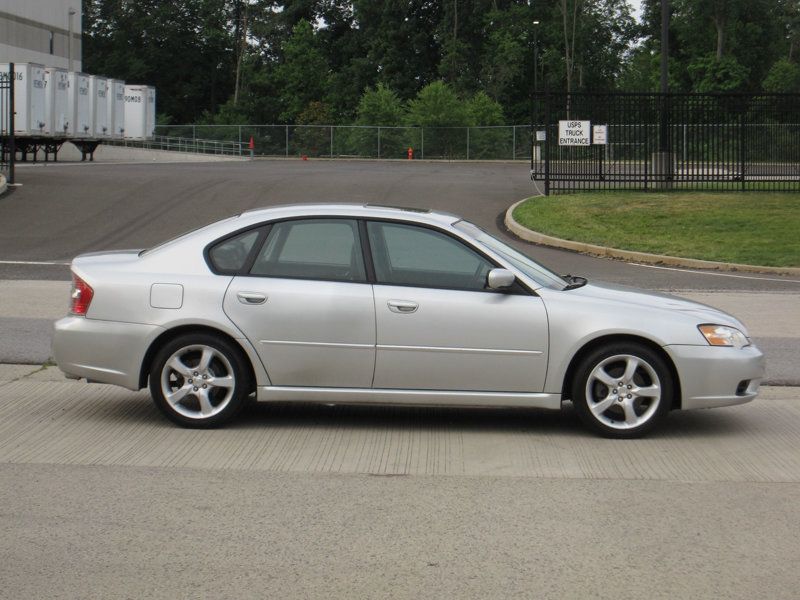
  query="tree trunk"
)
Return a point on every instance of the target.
[
  {"x": 567, "y": 68},
  {"x": 455, "y": 19},
  {"x": 242, "y": 44},
  {"x": 720, "y": 16},
  {"x": 720, "y": 25}
]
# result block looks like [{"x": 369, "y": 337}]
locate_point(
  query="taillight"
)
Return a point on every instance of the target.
[{"x": 81, "y": 296}]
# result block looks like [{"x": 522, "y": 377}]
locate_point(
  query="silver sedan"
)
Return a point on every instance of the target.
[{"x": 369, "y": 304}]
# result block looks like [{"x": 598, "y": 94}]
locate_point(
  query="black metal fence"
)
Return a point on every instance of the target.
[
  {"x": 7, "y": 141},
  {"x": 657, "y": 142}
]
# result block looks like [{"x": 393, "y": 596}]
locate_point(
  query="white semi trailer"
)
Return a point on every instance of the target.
[{"x": 29, "y": 99}]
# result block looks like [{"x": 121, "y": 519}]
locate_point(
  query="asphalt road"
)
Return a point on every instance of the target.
[{"x": 63, "y": 210}]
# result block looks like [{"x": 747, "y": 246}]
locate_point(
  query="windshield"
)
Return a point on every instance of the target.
[{"x": 531, "y": 268}]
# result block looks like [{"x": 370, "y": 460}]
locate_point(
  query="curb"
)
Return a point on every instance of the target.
[{"x": 631, "y": 255}]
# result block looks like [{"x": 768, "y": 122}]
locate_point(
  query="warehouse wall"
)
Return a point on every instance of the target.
[{"x": 37, "y": 31}]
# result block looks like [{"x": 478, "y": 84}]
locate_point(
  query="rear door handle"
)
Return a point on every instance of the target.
[
  {"x": 251, "y": 298},
  {"x": 402, "y": 306}
]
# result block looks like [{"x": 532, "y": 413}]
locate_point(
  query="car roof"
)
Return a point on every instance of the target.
[{"x": 419, "y": 215}]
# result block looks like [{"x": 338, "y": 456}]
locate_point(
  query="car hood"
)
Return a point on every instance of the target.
[{"x": 630, "y": 296}]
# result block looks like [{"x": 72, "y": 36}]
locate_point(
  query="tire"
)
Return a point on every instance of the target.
[
  {"x": 199, "y": 380},
  {"x": 622, "y": 390}
]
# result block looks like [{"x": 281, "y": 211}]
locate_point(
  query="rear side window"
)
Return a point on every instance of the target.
[
  {"x": 230, "y": 255},
  {"x": 327, "y": 249}
]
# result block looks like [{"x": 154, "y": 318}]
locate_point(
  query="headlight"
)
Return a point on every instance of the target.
[{"x": 722, "y": 335}]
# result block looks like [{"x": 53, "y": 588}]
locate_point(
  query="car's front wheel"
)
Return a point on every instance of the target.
[
  {"x": 199, "y": 380},
  {"x": 622, "y": 390}
]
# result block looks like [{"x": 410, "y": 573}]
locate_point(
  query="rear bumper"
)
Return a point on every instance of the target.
[
  {"x": 102, "y": 351},
  {"x": 712, "y": 376}
]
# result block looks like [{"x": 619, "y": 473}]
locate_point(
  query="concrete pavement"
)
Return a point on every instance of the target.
[
  {"x": 102, "y": 498},
  {"x": 45, "y": 418}
]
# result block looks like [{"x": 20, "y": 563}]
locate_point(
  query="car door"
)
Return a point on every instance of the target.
[
  {"x": 306, "y": 306},
  {"x": 438, "y": 328}
]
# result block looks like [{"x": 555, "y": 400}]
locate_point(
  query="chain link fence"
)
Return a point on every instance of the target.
[{"x": 512, "y": 142}]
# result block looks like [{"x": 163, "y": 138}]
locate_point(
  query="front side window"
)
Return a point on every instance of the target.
[
  {"x": 412, "y": 255},
  {"x": 328, "y": 249}
]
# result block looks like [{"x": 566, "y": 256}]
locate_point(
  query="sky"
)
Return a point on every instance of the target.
[{"x": 637, "y": 8}]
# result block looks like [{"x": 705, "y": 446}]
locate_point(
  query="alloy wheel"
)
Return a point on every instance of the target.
[{"x": 198, "y": 381}]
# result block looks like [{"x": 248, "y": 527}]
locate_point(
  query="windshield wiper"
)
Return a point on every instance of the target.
[{"x": 575, "y": 281}]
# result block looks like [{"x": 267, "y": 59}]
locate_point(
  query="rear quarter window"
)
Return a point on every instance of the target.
[{"x": 230, "y": 255}]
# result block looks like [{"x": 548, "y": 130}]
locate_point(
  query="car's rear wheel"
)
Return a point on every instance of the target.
[
  {"x": 622, "y": 390},
  {"x": 199, "y": 380}
]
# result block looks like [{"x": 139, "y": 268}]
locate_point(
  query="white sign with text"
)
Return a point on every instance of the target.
[
  {"x": 599, "y": 134},
  {"x": 574, "y": 133}
]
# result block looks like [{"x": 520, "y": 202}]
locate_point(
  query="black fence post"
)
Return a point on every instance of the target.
[
  {"x": 12, "y": 142},
  {"x": 742, "y": 140},
  {"x": 547, "y": 144}
]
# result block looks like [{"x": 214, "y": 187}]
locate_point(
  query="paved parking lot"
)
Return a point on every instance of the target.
[
  {"x": 100, "y": 497},
  {"x": 45, "y": 418},
  {"x": 63, "y": 210}
]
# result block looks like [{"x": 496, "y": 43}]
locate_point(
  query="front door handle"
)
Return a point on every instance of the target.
[
  {"x": 402, "y": 306},
  {"x": 251, "y": 298}
]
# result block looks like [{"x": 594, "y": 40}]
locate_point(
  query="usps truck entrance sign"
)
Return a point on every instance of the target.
[{"x": 574, "y": 133}]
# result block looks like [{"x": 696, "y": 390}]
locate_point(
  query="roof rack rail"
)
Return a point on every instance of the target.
[{"x": 406, "y": 208}]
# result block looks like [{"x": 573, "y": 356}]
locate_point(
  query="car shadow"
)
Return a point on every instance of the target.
[
  {"x": 679, "y": 425},
  {"x": 139, "y": 409}
]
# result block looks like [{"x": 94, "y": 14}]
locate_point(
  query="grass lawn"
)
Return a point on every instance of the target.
[{"x": 756, "y": 228}]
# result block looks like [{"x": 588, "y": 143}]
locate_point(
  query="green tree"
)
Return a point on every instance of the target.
[
  {"x": 303, "y": 75},
  {"x": 398, "y": 42},
  {"x": 506, "y": 60},
  {"x": 485, "y": 139},
  {"x": 712, "y": 74},
  {"x": 444, "y": 117},
  {"x": 185, "y": 48},
  {"x": 437, "y": 105},
  {"x": 715, "y": 45},
  {"x": 783, "y": 77},
  {"x": 311, "y": 137},
  {"x": 380, "y": 106},
  {"x": 483, "y": 111}
]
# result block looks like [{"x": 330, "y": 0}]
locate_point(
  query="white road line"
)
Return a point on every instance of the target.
[
  {"x": 33, "y": 262},
  {"x": 712, "y": 273}
]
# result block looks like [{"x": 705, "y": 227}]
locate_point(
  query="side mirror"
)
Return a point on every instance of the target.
[{"x": 499, "y": 279}]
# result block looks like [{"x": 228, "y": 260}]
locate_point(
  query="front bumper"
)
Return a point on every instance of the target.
[
  {"x": 713, "y": 376},
  {"x": 102, "y": 351}
]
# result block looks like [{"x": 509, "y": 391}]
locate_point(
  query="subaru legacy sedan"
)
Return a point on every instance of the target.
[{"x": 349, "y": 304}]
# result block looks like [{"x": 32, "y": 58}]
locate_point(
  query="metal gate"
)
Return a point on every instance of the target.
[
  {"x": 7, "y": 141},
  {"x": 657, "y": 142}
]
